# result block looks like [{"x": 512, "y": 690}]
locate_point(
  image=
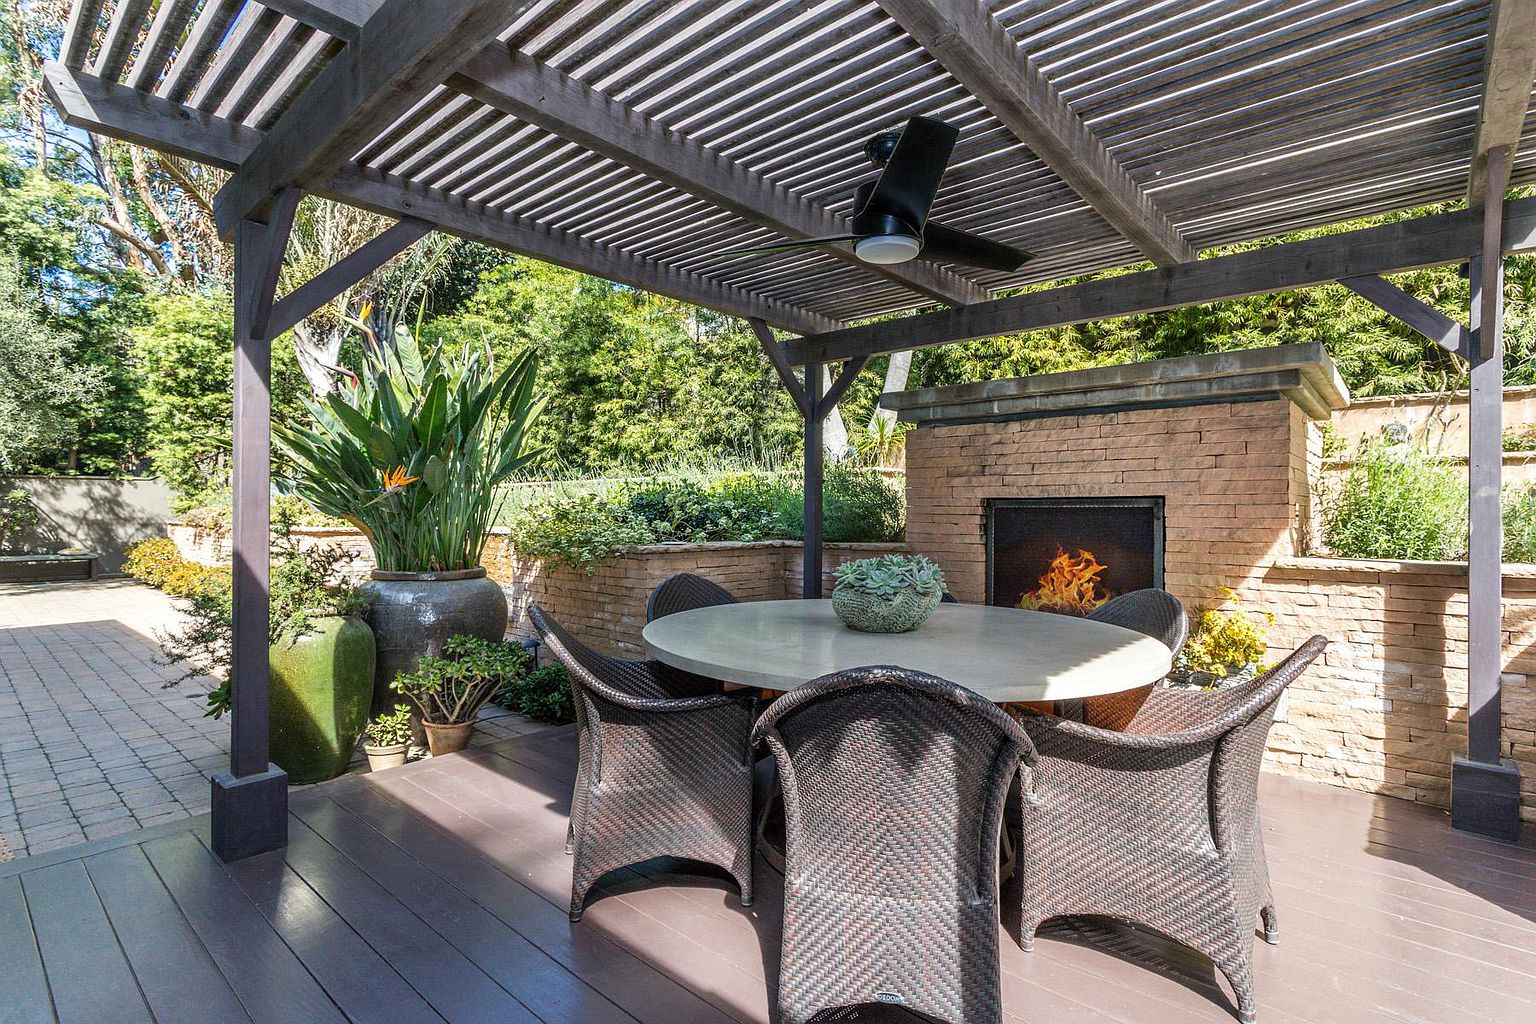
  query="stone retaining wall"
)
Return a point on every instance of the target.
[
  {"x": 1386, "y": 710},
  {"x": 606, "y": 607}
]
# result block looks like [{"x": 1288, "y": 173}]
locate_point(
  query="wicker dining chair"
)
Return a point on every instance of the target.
[
  {"x": 664, "y": 766},
  {"x": 1158, "y": 825},
  {"x": 894, "y": 783},
  {"x": 1155, "y": 613},
  {"x": 683, "y": 591}
]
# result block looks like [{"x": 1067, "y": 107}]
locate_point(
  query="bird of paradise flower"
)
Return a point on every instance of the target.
[{"x": 396, "y": 480}]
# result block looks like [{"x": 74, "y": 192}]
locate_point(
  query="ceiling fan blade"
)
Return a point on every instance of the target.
[
  {"x": 788, "y": 243},
  {"x": 950, "y": 245},
  {"x": 906, "y": 187}
]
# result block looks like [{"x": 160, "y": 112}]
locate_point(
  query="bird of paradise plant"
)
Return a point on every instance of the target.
[{"x": 413, "y": 449}]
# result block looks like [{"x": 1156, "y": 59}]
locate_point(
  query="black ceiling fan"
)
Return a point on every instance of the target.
[{"x": 890, "y": 213}]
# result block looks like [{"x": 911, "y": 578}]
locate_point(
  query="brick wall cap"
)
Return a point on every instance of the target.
[{"x": 1452, "y": 570}]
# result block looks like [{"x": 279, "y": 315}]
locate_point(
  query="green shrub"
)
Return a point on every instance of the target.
[
  {"x": 1225, "y": 642},
  {"x": 1398, "y": 501},
  {"x": 1520, "y": 438},
  {"x": 544, "y": 695},
  {"x": 1520, "y": 524},
  {"x": 215, "y": 514},
  {"x": 152, "y": 561},
  {"x": 582, "y": 529},
  {"x": 17, "y": 514},
  {"x": 857, "y": 505}
]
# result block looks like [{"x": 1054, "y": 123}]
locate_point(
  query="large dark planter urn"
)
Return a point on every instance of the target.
[
  {"x": 413, "y": 613},
  {"x": 321, "y": 688}
]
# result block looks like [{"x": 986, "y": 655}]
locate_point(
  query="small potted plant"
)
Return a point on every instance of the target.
[
  {"x": 389, "y": 739},
  {"x": 449, "y": 691},
  {"x": 1226, "y": 646},
  {"x": 889, "y": 594}
]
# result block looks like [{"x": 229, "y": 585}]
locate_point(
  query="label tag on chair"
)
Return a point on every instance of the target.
[{"x": 888, "y": 997}]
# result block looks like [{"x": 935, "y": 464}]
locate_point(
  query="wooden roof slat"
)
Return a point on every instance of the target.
[
  {"x": 122, "y": 32},
  {"x": 1510, "y": 68},
  {"x": 974, "y": 48},
  {"x": 202, "y": 42},
  {"x": 250, "y": 32},
  {"x": 541, "y": 95},
  {"x": 404, "y": 49},
  {"x": 171, "y": 19},
  {"x": 79, "y": 32},
  {"x": 275, "y": 57}
]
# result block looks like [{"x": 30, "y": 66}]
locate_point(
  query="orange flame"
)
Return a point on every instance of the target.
[{"x": 1070, "y": 586}]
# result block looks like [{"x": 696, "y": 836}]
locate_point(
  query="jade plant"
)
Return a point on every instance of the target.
[
  {"x": 451, "y": 689},
  {"x": 391, "y": 730},
  {"x": 889, "y": 575}
]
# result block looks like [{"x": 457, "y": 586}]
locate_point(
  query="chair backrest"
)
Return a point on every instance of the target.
[
  {"x": 1155, "y": 613},
  {"x": 611, "y": 678},
  {"x": 683, "y": 591},
  {"x": 1248, "y": 711},
  {"x": 894, "y": 783}
]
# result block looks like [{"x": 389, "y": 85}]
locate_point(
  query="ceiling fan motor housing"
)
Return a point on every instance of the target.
[{"x": 883, "y": 238}]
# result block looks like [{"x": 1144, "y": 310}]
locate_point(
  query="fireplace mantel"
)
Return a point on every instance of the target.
[{"x": 1304, "y": 374}]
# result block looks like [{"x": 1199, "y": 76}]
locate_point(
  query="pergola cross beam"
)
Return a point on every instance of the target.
[
  {"x": 404, "y": 49},
  {"x": 1413, "y": 312},
  {"x": 85, "y": 101},
  {"x": 1404, "y": 245},
  {"x": 975, "y": 49}
]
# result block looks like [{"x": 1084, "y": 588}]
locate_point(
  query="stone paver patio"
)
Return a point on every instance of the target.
[{"x": 91, "y": 742}]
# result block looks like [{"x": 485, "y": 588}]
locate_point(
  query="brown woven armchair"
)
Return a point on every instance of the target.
[
  {"x": 1155, "y": 613},
  {"x": 1158, "y": 825},
  {"x": 683, "y": 591},
  {"x": 894, "y": 783},
  {"x": 664, "y": 766}
]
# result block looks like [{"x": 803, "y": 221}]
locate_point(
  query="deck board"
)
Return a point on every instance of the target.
[
  {"x": 164, "y": 952},
  {"x": 436, "y": 894},
  {"x": 76, "y": 940}
]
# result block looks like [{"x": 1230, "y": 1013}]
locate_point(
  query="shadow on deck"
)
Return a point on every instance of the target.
[{"x": 436, "y": 893}]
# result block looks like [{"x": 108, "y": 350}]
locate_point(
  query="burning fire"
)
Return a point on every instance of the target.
[{"x": 1070, "y": 586}]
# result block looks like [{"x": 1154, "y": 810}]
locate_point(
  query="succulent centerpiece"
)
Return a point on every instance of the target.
[{"x": 889, "y": 594}]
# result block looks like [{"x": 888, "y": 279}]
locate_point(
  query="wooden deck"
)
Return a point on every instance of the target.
[{"x": 436, "y": 893}]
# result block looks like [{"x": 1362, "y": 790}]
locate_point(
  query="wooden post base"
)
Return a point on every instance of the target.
[
  {"x": 250, "y": 813},
  {"x": 1485, "y": 799}
]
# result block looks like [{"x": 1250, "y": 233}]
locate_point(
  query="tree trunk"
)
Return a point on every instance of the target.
[
  {"x": 834, "y": 432},
  {"x": 896, "y": 372},
  {"x": 318, "y": 351}
]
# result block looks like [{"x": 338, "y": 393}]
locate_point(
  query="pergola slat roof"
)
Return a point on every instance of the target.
[{"x": 637, "y": 140}]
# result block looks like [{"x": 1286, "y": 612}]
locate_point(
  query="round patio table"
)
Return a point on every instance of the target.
[{"x": 1003, "y": 654}]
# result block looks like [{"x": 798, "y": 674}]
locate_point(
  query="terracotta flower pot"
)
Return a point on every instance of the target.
[
  {"x": 380, "y": 758},
  {"x": 321, "y": 685},
  {"x": 448, "y": 739}
]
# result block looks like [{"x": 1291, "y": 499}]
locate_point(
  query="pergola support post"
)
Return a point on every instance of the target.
[
  {"x": 250, "y": 800},
  {"x": 814, "y": 405},
  {"x": 1485, "y": 786}
]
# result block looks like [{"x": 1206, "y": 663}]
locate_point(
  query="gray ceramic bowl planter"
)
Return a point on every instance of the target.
[{"x": 414, "y": 613}]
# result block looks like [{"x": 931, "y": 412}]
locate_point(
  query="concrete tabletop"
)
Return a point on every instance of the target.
[{"x": 1004, "y": 654}]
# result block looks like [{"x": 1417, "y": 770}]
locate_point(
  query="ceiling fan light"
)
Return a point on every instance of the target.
[{"x": 885, "y": 249}]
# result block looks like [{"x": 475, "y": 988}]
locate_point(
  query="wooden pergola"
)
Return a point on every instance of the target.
[{"x": 640, "y": 140}]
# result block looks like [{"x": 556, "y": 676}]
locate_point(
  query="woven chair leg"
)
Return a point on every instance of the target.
[
  {"x": 570, "y": 837},
  {"x": 1239, "y": 974},
  {"x": 1271, "y": 925}
]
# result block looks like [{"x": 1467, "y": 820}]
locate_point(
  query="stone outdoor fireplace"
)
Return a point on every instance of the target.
[
  {"x": 1189, "y": 473},
  {"x": 1070, "y": 555}
]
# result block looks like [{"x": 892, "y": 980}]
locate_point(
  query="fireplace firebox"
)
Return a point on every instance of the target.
[{"x": 1070, "y": 555}]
